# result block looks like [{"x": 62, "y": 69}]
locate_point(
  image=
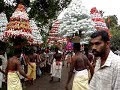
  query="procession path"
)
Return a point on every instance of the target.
[{"x": 43, "y": 83}]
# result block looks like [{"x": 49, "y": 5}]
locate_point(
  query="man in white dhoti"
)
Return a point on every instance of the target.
[
  {"x": 79, "y": 64},
  {"x": 56, "y": 66},
  {"x": 56, "y": 69}
]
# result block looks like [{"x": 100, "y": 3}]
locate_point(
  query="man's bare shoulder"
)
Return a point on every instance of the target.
[
  {"x": 14, "y": 59},
  {"x": 84, "y": 57},
  {"x": 73, "y": 57}
]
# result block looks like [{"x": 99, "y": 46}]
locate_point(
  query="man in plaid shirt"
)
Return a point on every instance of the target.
[{"x": 107, "y": 69}]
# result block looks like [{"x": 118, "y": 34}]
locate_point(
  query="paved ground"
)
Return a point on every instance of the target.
[{"x": 43, "y": 83}]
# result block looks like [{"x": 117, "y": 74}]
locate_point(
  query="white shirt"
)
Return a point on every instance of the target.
[
  {"x": 1, "y": 77},
  {"x": 4, "y": 62},
  {"x": 107, "y": 77}
]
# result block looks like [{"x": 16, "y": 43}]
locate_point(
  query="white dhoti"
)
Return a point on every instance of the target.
[
  {"x": 13, "y": 81},
  {"x": 80, "y": 81},
  {"x": 56, "y": 69},
  {"x": 1, "y": 77},
  {"x": 51, "y": 69}
]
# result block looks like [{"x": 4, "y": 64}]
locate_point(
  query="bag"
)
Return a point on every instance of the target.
[{"x": 39, "y": 72}]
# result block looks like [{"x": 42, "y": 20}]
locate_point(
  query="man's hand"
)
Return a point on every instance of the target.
[
  {"x": 5, "y": 79},
  {"x": 29, "y": 78}
]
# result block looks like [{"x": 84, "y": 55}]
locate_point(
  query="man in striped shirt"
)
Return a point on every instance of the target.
[{"x": 107, "y": 69}]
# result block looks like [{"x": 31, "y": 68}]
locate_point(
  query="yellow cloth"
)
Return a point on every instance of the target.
[
  {"x": 80, "y": 81},
  {"x": 13, "y": 81},
  {"x": 32, "y": 71}
]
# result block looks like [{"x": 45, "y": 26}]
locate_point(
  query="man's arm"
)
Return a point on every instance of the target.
[
  {"x": 28, "y": 61},
  {"x": 2, "y": 71},
  {"x": 91, "y": 68},
  {"x": 116, "y": 78},
  {"x": 6, "y": 70},
  {"x": 53, "y": 57},
  {"x": 70, "y": 73},
  {"x": 90, "y": 65},
  {"x": 20, "y": 69}
]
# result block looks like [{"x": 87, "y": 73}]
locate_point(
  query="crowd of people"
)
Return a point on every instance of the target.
[
  {"x": 29, "y": 63},
  {"x": 94, "y": 68}
]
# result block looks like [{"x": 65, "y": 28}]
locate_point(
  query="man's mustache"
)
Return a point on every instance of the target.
[{"x": 94, "y": 51}]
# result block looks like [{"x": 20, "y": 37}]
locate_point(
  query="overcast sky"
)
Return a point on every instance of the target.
[{"x": 110, "y": 7}]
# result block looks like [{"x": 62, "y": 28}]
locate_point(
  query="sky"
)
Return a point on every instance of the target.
[{"x": 110, "y": 7}]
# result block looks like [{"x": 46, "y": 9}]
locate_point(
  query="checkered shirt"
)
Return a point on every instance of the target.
[{"x": 107, "y": 76}]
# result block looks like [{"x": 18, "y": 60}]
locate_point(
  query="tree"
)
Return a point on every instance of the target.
[
  {"x": 44, "y": 10},
  {"x": 41, "y": 10},
  {"x": 115, "y": 40},
  {"x": 8, "y": 9},
  {"x": 112, "y": 22},
  {"x": 1, "y": 6}
]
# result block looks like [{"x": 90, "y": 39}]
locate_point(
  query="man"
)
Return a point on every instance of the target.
[
  {"x": 88, "y": 54},
  {"x": 79, "y": 63},
  {"x": 68, "y": 58},
  {"x": 56, "y": 65},
  {"x": 13, "y": 69},
  {"x": 3, "y": 63},
  {"x": 31, "y": 60},
  {"x": 107, "y": 69},
  {"x": 43, "y": 60}
]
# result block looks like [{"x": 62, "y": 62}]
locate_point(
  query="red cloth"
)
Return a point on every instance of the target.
[{"x": 47, "y": 50}]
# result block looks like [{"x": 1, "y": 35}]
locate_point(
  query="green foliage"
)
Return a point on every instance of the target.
[
  {"x": 113, "y": 21},
  {"x": 25, "y": 2},
  {"x": 115, "y": 32},
  {"x": 115, "y": 40},
  {"x": 8, "y": 11},
  {"x": 1, "y": 6},
  {"x": 6, "y": 8},
  {"x": 43, "y": 10},
  {"x": 53, "y": 47}
]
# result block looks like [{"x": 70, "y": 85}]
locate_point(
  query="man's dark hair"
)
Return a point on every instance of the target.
[
  {"x": 76, "y": 46},
  {"x": 31, "y": 51},
  {"x": 0, "y": 61},
  {"x": 17, "y": 51},
  {"x": 2, "y": 46},
  {"x": 56, "y": 48},
  {"x": 103, "y": 34},
  {"x": 26, "y": 50}
]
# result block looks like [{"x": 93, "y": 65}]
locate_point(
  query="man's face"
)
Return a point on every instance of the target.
[{"x": 98, "y": 46}]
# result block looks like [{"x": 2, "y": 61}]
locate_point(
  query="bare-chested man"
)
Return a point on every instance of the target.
[
  {"x": 56, "y": 65},
  {"x": 79, "y": 64},
  {"x": 13, "y": 69},
  {"x": 31, "y": 60}
]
